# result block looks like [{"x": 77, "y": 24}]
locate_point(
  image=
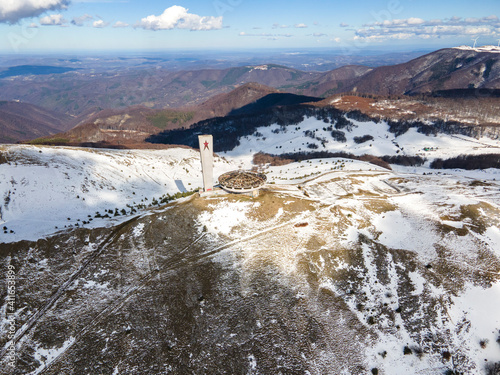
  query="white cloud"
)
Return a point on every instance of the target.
[
  {"x": 415, "y": 21},
  {"x": 434, "y": 22},
  {"x": 99, "y": 24},
  {"x": 300, "y": 25},
  {"x": 343, "y": 24},
  {"x": 419, "y": 28},
  {"x": 491, "y": 18},
  {"x": 120, "y": 24},
  {"x": 178, "y": 17},
  {"x": 478, "y": 31},
  {"x": 266, "y": 35},
  {"x": 472, "y": 20},
  {"x": 12, "y": 11},
  {"x": 53, "y": 20},
  {"x": 80, "y": 21}
]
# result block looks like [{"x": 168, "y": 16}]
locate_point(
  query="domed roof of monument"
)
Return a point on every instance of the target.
[{"x": 242, "y": 181}]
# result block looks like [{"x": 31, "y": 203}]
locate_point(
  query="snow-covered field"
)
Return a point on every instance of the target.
[
  {"x": 277, "y": 140},
  {"x": 400, "y": 269},
  {"x": 47, "y": 189}
]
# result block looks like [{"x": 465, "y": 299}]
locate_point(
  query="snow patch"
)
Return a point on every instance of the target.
[
  {"x": 46, "y": 356},
  {"x": 492, "y": 235},
  {"x": 480, "y": 307},
  {"x": 418, "y": 282},
  {"x": 224, "y": 216},
  {"x": 138, "y": 230},
  {"x": 492, "y": 49}
]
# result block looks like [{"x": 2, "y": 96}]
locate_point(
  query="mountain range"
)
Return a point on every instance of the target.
[
  {"x": 23, "y": 121},
  {"x": 447, "y": 69},
  {"x": 126, "y": 107}
]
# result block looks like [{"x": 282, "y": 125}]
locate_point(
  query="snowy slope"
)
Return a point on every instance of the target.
[
  {"x": 394, "y": 270},
  {"x": 279, "y": 140},
  {"x": 46, "y": 189},
  {"x": 491, "y": 48},
  {"x": 425, "y": 268}
]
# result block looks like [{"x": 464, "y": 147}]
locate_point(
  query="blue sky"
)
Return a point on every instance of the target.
[{"x": 71, "y": 25}]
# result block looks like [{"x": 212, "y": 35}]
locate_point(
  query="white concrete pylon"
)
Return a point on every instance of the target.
[{"x": 207, "y": 161}]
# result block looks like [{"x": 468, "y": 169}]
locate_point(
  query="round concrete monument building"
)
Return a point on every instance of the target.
[{"x": 242, "y": 181}]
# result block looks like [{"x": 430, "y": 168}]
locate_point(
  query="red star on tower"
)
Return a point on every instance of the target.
[{"x": 206, "y": 145}]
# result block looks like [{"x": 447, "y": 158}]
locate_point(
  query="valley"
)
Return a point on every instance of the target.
[{"x": 126, "y": 108}]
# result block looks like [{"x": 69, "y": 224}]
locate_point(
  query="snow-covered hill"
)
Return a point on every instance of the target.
[
  {"x": 47, "y": 189},
  {"x": 315, "y": 135},
  {"x": 491, "y": 49},
  {"x": 339, "y": 266},
  {"x": 414, "y": 258}
]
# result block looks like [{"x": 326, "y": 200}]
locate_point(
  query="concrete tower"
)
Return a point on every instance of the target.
[{"x": 207, "y": 161}]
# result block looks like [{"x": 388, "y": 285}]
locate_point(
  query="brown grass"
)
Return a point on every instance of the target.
[{"x": 261, "y": 158}]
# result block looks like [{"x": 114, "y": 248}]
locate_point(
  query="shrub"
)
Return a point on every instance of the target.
[
  {"x": 398, "y": 127},
  {"x": 298, "y": 156},
  {"x": 339, "y": 136},
  {"x": 493, "y": 368},
  {"x": 468, "y": 162},
  {"x": 363, "y": 139},
  {"x": 446, "y": 355},
  {"x": 360, "y": 116},
  {"x": 342, "y": 123},
  {"x": 375, "y": 160},
  {"x": 407, "y": 161}
]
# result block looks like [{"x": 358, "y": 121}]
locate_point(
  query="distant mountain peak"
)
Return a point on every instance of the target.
[{"x": 222, "y": 104}]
